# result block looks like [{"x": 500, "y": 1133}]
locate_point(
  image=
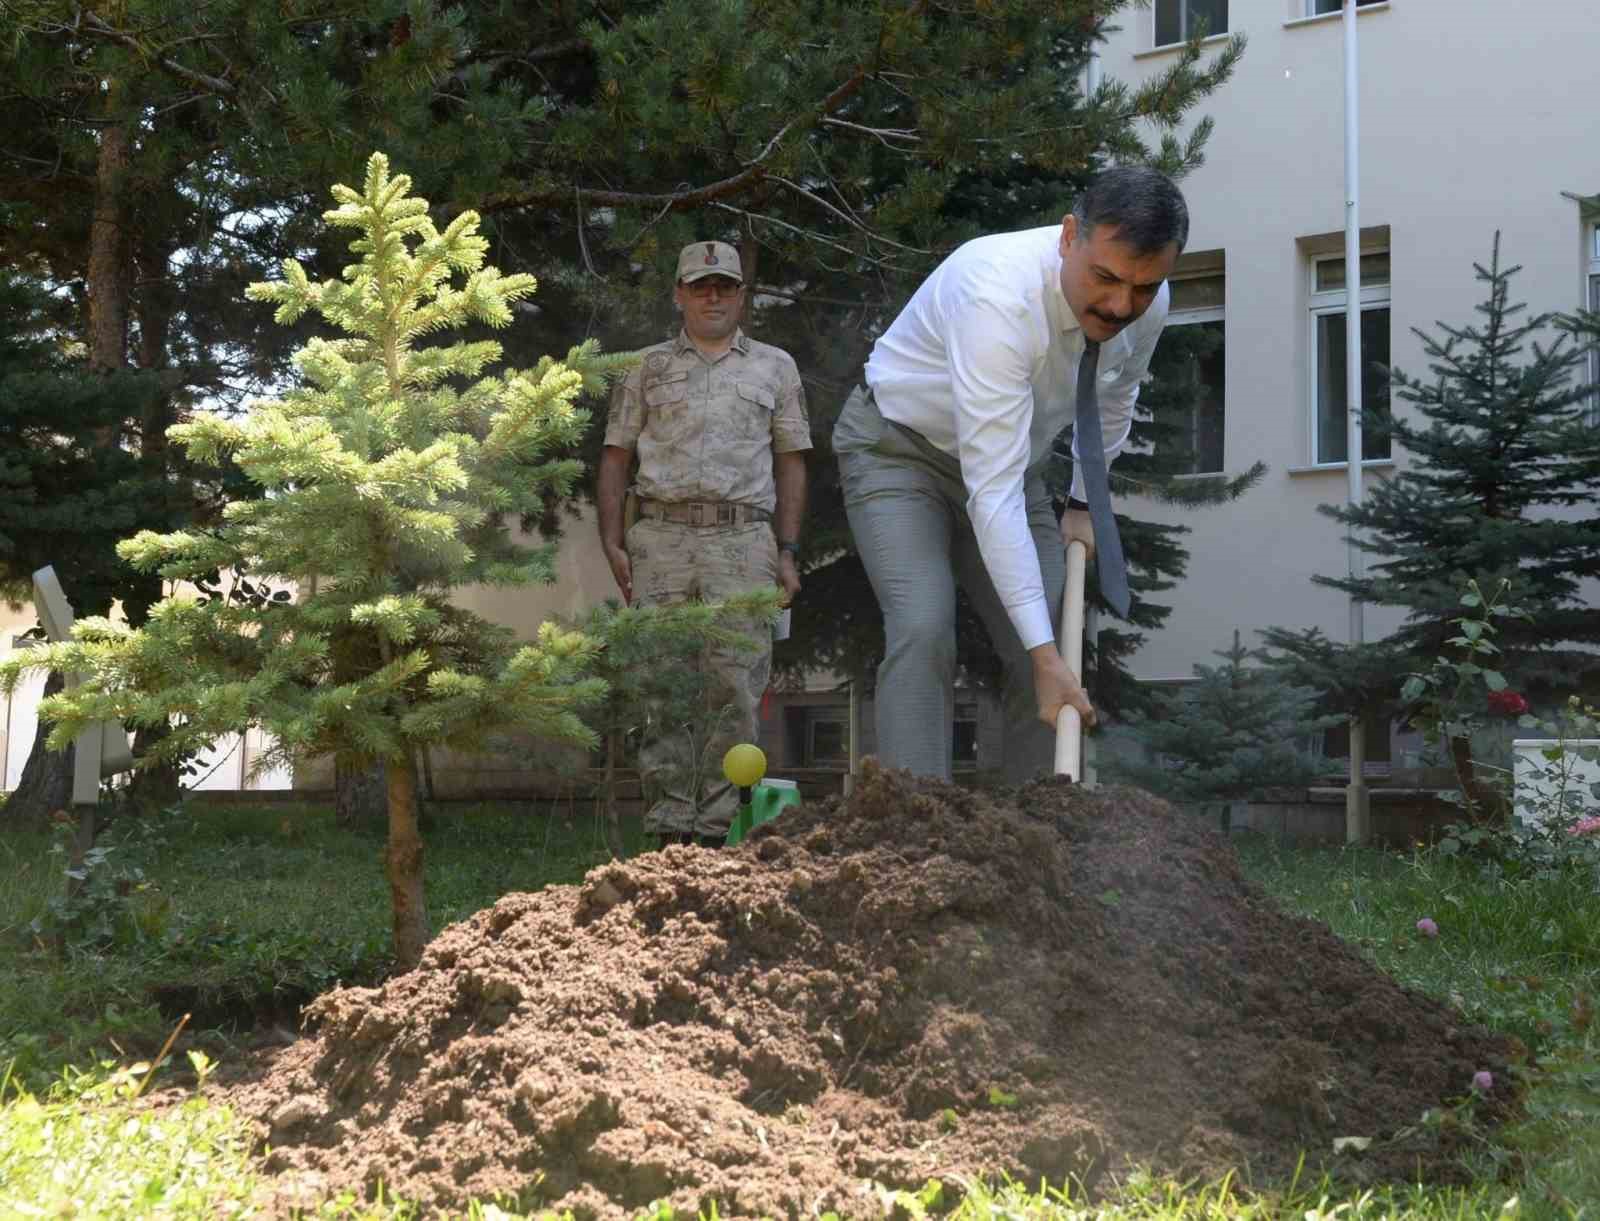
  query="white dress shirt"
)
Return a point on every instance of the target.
[{"x": 983, "y": 363}]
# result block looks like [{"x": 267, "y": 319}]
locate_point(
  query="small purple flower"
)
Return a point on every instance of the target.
[
  {"x": 1427, "y": 927},
  {"x": 1585, "y": 826},
  {"x": 1483, "y": 1081}
]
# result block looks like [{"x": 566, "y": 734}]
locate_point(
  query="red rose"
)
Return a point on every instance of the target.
[{"x": 1507, "y": 703}]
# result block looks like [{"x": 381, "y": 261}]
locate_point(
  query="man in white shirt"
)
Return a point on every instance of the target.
[{"x": 941, "y": 453}]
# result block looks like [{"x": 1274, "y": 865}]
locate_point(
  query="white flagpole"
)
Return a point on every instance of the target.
[{"x": 1357, "y": 810}]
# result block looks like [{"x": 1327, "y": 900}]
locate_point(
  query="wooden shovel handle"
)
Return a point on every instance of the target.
[{"x": 1069, "y": 722}]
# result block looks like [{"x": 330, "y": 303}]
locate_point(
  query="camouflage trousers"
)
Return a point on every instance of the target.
[{"x": 680, "y": 759}]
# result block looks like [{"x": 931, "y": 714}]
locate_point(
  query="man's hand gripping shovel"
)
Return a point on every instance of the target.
[{"x": 1069, "y": 721}]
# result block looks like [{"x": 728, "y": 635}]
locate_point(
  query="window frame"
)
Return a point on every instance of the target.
[
  {"x": 1592, "y": 293},
  {"x": 1199, "y": 316},
  {"x": 968, "y": 714},
  {"x": 1382, "y": 728},
  {"x": 827, "y": 714},
  {"x": 1183, "y": 26},
  {"x": 1311, "y": 7},
  {"x": 1320, "y": 304}
]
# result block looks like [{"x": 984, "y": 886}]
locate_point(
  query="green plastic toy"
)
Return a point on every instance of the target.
[{"x": 744, "y": 765}]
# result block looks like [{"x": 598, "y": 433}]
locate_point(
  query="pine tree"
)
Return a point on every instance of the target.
[
  {"x": 1356, "y": 684},
  {"x": 1235, "y": 732},
  {"x": 846, "y": 149},
  {"x": 657, "y": 682},
  {"x": 65, "y": 497},
  {"x": 1160, "y": 463},
  {"x": 388, "y": 477},
  {"x": 1499, "y": 483}
]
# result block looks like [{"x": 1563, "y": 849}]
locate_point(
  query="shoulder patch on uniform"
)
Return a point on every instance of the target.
[{"x": 656, "y": 362}]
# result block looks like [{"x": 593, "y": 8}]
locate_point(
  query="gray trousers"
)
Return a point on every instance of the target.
[{"x": 907, "y": 509}]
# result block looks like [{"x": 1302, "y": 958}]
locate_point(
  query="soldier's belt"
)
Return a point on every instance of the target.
[{"x": 714, "y": 513}]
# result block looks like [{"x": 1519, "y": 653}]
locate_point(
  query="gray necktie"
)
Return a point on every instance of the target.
[{"x": 1091, "y": 455}]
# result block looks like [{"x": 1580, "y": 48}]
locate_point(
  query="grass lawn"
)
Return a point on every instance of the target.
[{"x": 232, "y": 912}]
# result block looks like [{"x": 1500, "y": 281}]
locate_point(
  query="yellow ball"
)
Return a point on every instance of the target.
[{"x": 744, "y": 765}]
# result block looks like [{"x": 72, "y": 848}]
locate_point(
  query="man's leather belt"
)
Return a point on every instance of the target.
[{"x": 714, "y": 513}]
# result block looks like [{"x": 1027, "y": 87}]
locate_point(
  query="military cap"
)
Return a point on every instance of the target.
[{"x": 701, "y": 259}]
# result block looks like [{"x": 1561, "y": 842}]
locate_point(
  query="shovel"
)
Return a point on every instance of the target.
[{"x": 1069, "y": 721}]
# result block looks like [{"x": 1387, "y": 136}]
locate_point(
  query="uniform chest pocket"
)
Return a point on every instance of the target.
[
  {"x": 756, "y": 405},
  {"x": 666, "y": 404}
]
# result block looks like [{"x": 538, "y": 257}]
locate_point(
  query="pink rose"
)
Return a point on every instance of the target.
[{"x": 1427, "y": 927}]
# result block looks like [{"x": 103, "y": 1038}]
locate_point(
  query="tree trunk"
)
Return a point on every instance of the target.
[
  {"x": 1483, "y": 804},
  {"x": 613, "y": 821},
  {"x": 46, "y": 782},
  {"x": 410, "y": 907},
  {"x": 110, "y": 272},
  {"x": 158, "y": 787},
  {"x": 360, "y": 795}
]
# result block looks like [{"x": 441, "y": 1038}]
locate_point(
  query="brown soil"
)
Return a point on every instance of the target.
[{"x": 924, "y": 982}]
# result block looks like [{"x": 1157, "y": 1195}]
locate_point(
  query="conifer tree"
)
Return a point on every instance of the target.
[
  {"x": 1235, "y": 732},
  {"x": 1162, "y": 464},
  {"x": 1501, "y": 469},
  {"x": 1499, "y": 481},
  {"x": 66, "y": 498},
  {"x": 845, "y": 148},
  {"x": 657, "y": 684},
  {"x": 388, "y": 478}
]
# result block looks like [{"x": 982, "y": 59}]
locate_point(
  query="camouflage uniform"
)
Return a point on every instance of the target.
[{"x": 705, "y": 432}]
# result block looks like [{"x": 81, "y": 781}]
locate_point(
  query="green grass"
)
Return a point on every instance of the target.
[
  {"x": 235, "y": 913},
  {"x": 88, "y": 1150},
  {"x": 1519, "y": 954},
  {"x": 236, "y": 902},
  {"x": 1518, "y": 950}
]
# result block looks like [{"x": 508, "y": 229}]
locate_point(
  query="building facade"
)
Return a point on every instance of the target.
[{"x": 1471, "y": 122}]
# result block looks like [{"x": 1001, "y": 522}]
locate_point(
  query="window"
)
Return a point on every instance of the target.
[
  {"x": 828, "y": 737},
  {"x": 1594, "y": 304},
  {"x": 964, "y": 736},
  {"x": 1330, "y": 401},
  {"x": 1187, "y": 394},
  {"x": 1181, "y": 20},
  {"x": 1379, "y": 740},
  {"x": 1316, "y": 8}
]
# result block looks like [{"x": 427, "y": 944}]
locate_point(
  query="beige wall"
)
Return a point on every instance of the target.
[
  {"x": 18, "y": 720},
  {"x": 584, "y": 581},
  {"x": 1475, "y": 115}
]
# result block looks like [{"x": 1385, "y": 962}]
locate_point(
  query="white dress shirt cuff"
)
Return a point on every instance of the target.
[{"x": 1032, "y": 621}]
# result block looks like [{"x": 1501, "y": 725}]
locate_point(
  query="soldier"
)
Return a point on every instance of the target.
[{"x": 718, "y": 422}]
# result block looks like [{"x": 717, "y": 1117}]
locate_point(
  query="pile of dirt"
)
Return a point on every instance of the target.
[{"x": 920, "y": 983}]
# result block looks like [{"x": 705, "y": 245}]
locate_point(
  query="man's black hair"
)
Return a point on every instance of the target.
[{"x": 1144, "y": 205}]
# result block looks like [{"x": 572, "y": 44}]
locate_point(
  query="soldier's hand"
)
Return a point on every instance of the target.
[
  {"x": 622, "y": 570},
  {"x": 788, "y": 576}
]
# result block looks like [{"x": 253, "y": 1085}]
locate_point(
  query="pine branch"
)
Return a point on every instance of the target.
[
  {"x": 693, "y": 197},
  {"x": 90, "y": 22}
]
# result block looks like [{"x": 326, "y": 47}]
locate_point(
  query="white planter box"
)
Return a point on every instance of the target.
[{"x": 1542, "y": 785}]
